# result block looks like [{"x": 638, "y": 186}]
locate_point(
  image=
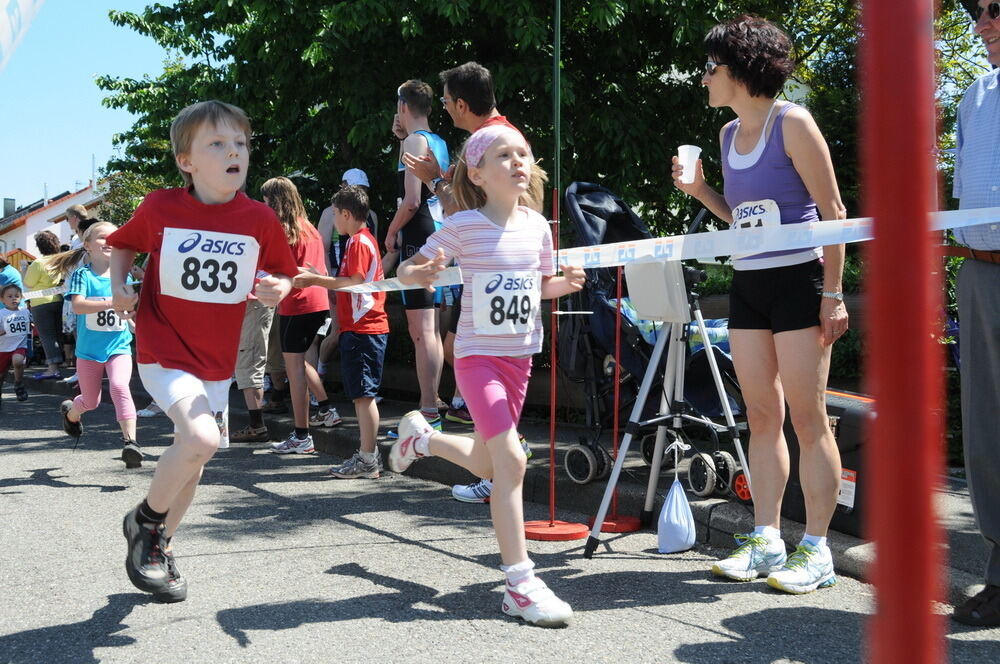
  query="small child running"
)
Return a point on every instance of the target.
[
  {"x": 15, "y": 330},
  {"x": 505, "y": 250},
  {"x": 206, "y": 242},
  {"x": 103, "y": 340},
  {"x": 364, "y": 326}
]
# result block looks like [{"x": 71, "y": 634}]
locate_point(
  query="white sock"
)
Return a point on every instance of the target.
[
  {"x": 816, "y": 541},
  {"x": 519, "y": 572},
  {"x": 422, "y": 445},
  {"x": 368, "y": 457},
  {"x": 770, "y": 533},
  {"x": 457, "y": 402}
]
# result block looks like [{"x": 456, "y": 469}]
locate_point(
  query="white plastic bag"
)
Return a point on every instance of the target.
[{"x": 675, "y": 530}]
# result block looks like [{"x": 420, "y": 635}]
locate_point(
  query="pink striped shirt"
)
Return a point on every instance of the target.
[{"x": 481, "y": 246}]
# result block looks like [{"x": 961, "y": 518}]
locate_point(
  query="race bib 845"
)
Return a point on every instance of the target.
[
  {"x": 207, "y": 266},
  {"x": 505, "y": 302},
  {"x": 17, "y": 323}
]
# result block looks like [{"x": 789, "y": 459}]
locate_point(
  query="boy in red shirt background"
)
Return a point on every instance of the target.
[
  {"x": 207, "y": 243},
  {"x": 364, "y": 326}
]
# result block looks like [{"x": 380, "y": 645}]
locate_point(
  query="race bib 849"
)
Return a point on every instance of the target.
[
  {"x": 207, "y": 266},
  {"x": 505, "y": 302}
]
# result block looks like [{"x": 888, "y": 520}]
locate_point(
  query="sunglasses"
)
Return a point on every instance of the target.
[
  {"x": 711, "y": 66},
  {"x": 992, "y": 10}
]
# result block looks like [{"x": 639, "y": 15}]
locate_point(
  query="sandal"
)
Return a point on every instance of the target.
[{"x": 980, "y": 610}]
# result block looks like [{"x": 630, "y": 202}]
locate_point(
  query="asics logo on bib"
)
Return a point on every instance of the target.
[
  {"x": 229, "y": 248},
  {"x": 511, "y": 283},
  {"x": 749, "y": 211}
]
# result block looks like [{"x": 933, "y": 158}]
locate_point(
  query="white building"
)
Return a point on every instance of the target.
[{"x": 18, "y": 226}]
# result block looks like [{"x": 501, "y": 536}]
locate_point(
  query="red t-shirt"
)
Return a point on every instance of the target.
[
  {"x": 202, "y": 263},
  {"x": 363, "y": 313},
  {"x": 309, "y": 249},
  {"x": 498, "y": 120}
]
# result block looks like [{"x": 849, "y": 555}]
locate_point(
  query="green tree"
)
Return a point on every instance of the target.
[{"x": 318, "y": 79}]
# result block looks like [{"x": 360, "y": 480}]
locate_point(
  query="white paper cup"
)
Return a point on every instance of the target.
[{"x": 688, "y": 155}]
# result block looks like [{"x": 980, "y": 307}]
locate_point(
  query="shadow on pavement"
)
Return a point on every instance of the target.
[
  {"x": 44, "y": 477},
  {"x": 74, "y": 642}
]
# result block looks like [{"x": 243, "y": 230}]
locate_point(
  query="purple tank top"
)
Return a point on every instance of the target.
[{"x": 772, "y": 177}]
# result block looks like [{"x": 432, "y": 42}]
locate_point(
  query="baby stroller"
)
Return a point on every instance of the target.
[{"x": 587, "y": 347}]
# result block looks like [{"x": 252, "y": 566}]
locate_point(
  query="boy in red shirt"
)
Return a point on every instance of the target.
[
  {"x": 207, "y": 242},
  {"x": 364, "y": 327}
]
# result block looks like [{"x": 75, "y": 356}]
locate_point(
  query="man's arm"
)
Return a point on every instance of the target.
[
  {"x": 325, "y": 228},
  {"x": 415, "y": 144}
]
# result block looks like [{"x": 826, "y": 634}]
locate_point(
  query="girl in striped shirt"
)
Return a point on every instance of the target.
[{"x": 505, "y": 250}]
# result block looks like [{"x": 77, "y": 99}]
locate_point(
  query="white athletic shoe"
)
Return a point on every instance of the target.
[
  {"x": 293, "y": 445},
  {"x": 754, "y": 557},
  {"x": 807, "y": 569},
  {"x": 477, "y": 492},
  {"x": 533, "y": 602},
  {"x": 326, "y": 418},
  {"x": 412, "y": 426}
]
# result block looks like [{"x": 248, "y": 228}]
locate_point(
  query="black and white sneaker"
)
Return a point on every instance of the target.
[
  {"x": 20, "y": 391},
  {"x": 145, "y": 562},
  {"x": 176, "y": 590},
  {"x": 74, "y": 429},
  {"x": 131, "y": 454}
]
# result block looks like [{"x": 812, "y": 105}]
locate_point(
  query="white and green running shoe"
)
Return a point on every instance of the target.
[
  {"x": 807, "y": 569},
  {"x": 755, "y": 556}
]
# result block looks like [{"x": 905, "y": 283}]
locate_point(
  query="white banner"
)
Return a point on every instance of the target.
[{"x": 15, "y": 17}]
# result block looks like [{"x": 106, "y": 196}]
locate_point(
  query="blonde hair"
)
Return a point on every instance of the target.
[
  {"x": 283, "y": 197},
  {"x": 187, "y": 122},
  {"x": 59, "y": 265},
  {"x": 470, "y": 196}
]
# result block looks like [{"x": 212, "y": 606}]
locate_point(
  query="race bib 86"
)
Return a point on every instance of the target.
[
  {"x": 105, "y": 321},
  {"x": 207, "y": 266},
  {"x": 505, "y": 302},
  {"x": 17, "y": 324}
]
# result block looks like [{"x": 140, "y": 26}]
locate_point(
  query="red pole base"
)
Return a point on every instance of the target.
[
  {"x": 555, "y": 531},
  {"x": 619, "y": 524}
]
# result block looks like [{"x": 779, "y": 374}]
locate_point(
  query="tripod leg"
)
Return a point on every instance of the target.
[
  {"x": 723, "y": 398},
  {"x": 673, "y": 353},
  {"x": 647, "y": 381}
]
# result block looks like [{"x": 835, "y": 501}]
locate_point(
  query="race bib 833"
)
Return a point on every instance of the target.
[
  {"x": 505, "y": 302},
  {"x": 207, "y": 266}
]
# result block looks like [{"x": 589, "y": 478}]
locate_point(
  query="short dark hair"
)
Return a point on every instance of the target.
[
  {"x": 417, "y": 95},
  {"x": 87, "y": 223},
  {"x": 353, "y": 199},
  {"x": 473, "y": 83},
  {"x": 7, "y": 287},
  {"x": 47, "y": 242},
  {"x": 756, "y": 52}
]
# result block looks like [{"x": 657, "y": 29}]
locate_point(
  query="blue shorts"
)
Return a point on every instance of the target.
[{"x": 361, "y": 358}]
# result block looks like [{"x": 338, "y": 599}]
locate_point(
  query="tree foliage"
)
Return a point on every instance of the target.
[{"x": 318, "y": 79}]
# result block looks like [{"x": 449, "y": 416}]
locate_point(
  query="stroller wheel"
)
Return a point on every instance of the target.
[
  {"x": 648, "y": 445},
  {"x": 725, "y": 466},
  {"x": 581, "y": 464},
  {"x": 605, "y": 462},
  {"x": 741, "y": 487},
  {"x": 701, "y": 475}
]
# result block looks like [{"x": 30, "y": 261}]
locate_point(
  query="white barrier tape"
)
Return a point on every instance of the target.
[
  {"x": 755, "y": 240},
  {"x": 451, "y": 276},
  {"x": 55, "y": 290}
]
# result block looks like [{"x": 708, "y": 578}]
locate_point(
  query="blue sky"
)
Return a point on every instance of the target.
[{"x": 51, "y": 117}]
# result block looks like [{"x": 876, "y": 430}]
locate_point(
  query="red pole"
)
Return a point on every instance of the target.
[
  {"x": 904, "y": 365},
  {"x": 553, "y": 332}
]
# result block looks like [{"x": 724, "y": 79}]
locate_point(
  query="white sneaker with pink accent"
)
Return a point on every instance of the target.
[
  {"x": 412, "y": 427},
  {"x": 533, "y": 602}
]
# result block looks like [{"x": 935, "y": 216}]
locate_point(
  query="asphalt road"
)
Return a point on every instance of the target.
[{"x": 284, "y": 565}]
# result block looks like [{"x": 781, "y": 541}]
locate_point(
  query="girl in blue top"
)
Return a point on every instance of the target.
[{"x": 103, "y": 344}]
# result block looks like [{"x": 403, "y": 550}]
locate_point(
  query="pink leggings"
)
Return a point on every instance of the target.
[
  {"x": 119, "y": 368},
  {"x": 494, "y": 389}
]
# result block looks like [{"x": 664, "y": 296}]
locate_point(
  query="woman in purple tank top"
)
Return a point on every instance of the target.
[{"x": 786, "y": 307}]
